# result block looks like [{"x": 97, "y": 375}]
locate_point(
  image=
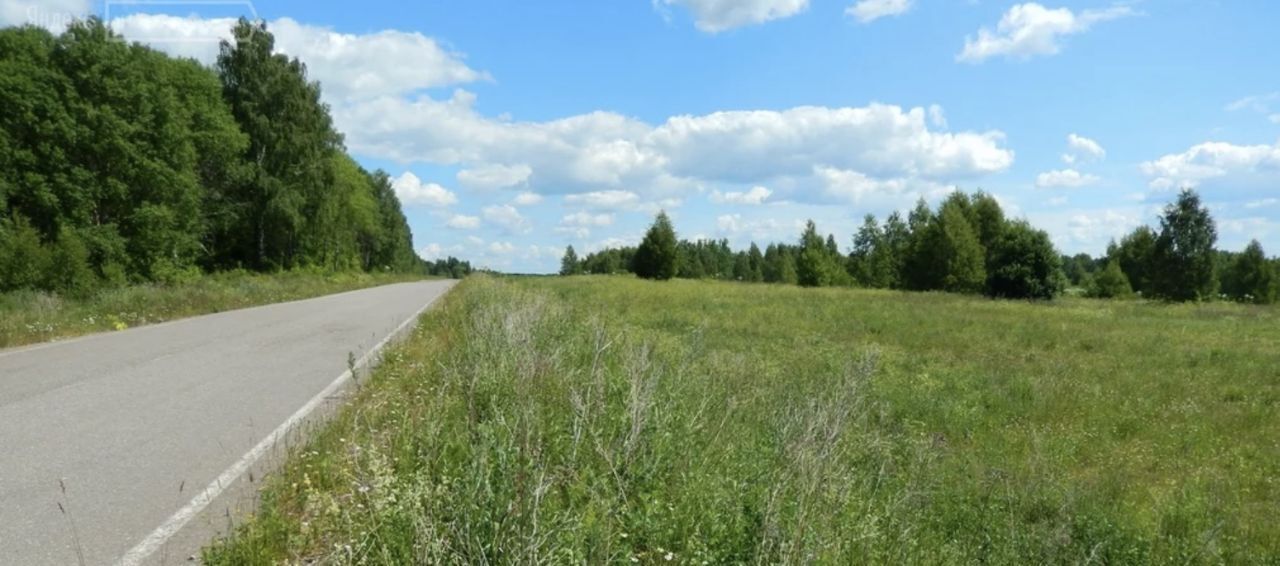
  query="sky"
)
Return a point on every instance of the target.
[{"x": 515, "y": 128}]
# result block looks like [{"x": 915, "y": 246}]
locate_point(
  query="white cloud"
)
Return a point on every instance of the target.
[
  {"x": 601, "y": 151},
  {"x": 867, "y": 11},
  {"x": 526, "y": 199},
  {"x": 463, "y": 222},
  {"x": 1030, "y": 29},
  {"x": 755, "y": 195},
  {"x": 1260, "y": 103},
  {"x": 508, "y": 217},
  {"x": 608, "y": 200},
  {"x": 586, "y": 219},
  {"x": 494, "y": 176},
  {"x": 852, "y": 187},
  {"x": 1262, "y": 203},
  {"x": 501, "y": 248},
  {"x": 53, "y": 15},
  {"x": 1080, "y": 148},
  {"x": 348, "y": 66},
  {"x": 937, "y": 117},
  {"x": 1211, "y": 160},
  {"x": 412, "y": 191},
  {"x": 434, "y": 251},
  {"x": 714, "y": 16},
  {"x": 1064, "y": 178},
  {"x": 579, "y": 224},
  {"x": 1100, "y": 226},
  {"x": 879, "y": 140},
  {"x": 762, "y": 229}
]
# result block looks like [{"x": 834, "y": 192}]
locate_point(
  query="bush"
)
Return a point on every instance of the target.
[
  {"x": 24, "y": 261},
  {"x": 1024, "y": 264},
  {"x": 68, "y": 269},
  {"x": 1110, "y": 283}
]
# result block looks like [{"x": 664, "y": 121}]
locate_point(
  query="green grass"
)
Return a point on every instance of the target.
[
  {"x": 598, "y": 419},
  {"x": 28, "y": 317}
]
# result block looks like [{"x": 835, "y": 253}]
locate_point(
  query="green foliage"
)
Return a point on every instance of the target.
[
  {"x": 817, "y": 265},
  {"x": 656, "y": 256},
  {"x": 569, "y": 264},
  {"x": 613, "y": 420},
  {"x": 24, "y": 261},
  {"x": 755, "y": 264},
  {"x": 153, "y": 167},
  {"x": 1250, "y": 277},
  {"x": 1110, "y": 283},
  {"x": 1183, "y": 258},
  {"x": 1136, "y": 254},
  {"x": 1024, "y": 264},
  {"x": 69, "y": 265},
  {"x": 29, "y": 316},
  {"x": 946, "y": 254}
]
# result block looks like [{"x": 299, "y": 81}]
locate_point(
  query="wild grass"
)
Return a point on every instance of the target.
[
  {"x": 606, "y": 420},
  {"x": 28, "y": 317}
]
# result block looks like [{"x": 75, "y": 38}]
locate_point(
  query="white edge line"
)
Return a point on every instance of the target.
[{"x": 178, "y": 520}]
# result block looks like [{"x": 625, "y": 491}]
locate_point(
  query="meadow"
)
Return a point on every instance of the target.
[
  {"x": 612, "y": 420},
  {"x": 28, "y": 317}
]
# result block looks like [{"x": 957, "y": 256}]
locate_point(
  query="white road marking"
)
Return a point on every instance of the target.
[{"x": 164, "y": 532}]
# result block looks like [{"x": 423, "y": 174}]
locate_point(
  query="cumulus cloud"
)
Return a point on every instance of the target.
[
  {"x": 412, "y": 191},
  {"x": 506, "y": 216},
  {"x": 1080, "y": 148},
  {"x": 1064, "y": 178},
  {"x": 714, "y": 16},
  {"x": 755, "y": 195},
  {"x": 611, "y": 155},
  {"x": 580, "y": 223},
  {"x": 765, "y": 229},
  {"x": 1212, "y": 160},
  {"x": 494, "y": 176},
  {"x": 463, "y": 222},
  {"x": 502, "y": 248},
  {"x": 867, "y": 11},
  {"x": 587, "y": 219},
  {"x": 526, "y": 199},
  {"x": 1030, "y": 29},
  {"x": 53, "y": 15},
  {"x": 611, "y": 200},
  {"x": 348, "y": 66}
]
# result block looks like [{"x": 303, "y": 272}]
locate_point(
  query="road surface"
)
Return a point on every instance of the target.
[{"x": 109, "y": 442}]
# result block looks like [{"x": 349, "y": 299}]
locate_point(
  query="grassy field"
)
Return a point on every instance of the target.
[
  {"x": 28, "y": 317},
  {"x": 597, "y": 419}
]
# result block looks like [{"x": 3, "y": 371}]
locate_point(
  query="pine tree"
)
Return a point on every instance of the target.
[{"x": 656, "y": 257}]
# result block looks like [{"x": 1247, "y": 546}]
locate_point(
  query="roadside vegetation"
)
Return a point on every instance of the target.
[
  {"x": 27, "y": 317},
  {"x": 967, "y": 245},
  {"x": 616, "y": 420},
  {"x": 121, "y": 165}
]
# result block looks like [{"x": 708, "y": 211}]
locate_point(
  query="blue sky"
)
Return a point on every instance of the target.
[{"x": 517, "y": 128}]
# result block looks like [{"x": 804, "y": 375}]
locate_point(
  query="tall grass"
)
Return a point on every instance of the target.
[
  {"x": 31, "y": 316},
  {"x": 602, "y": 420}
]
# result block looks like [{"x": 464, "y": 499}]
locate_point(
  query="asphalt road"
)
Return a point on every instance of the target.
[{"x": 109, "y": 441}]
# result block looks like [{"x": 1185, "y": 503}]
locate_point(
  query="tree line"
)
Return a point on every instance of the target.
[
  {"x": 119, "y": 164},
  {"x": 966, "y": 245}
]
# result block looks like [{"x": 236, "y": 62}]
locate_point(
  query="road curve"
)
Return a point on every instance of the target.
[{"x": 105, "y": 439}]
